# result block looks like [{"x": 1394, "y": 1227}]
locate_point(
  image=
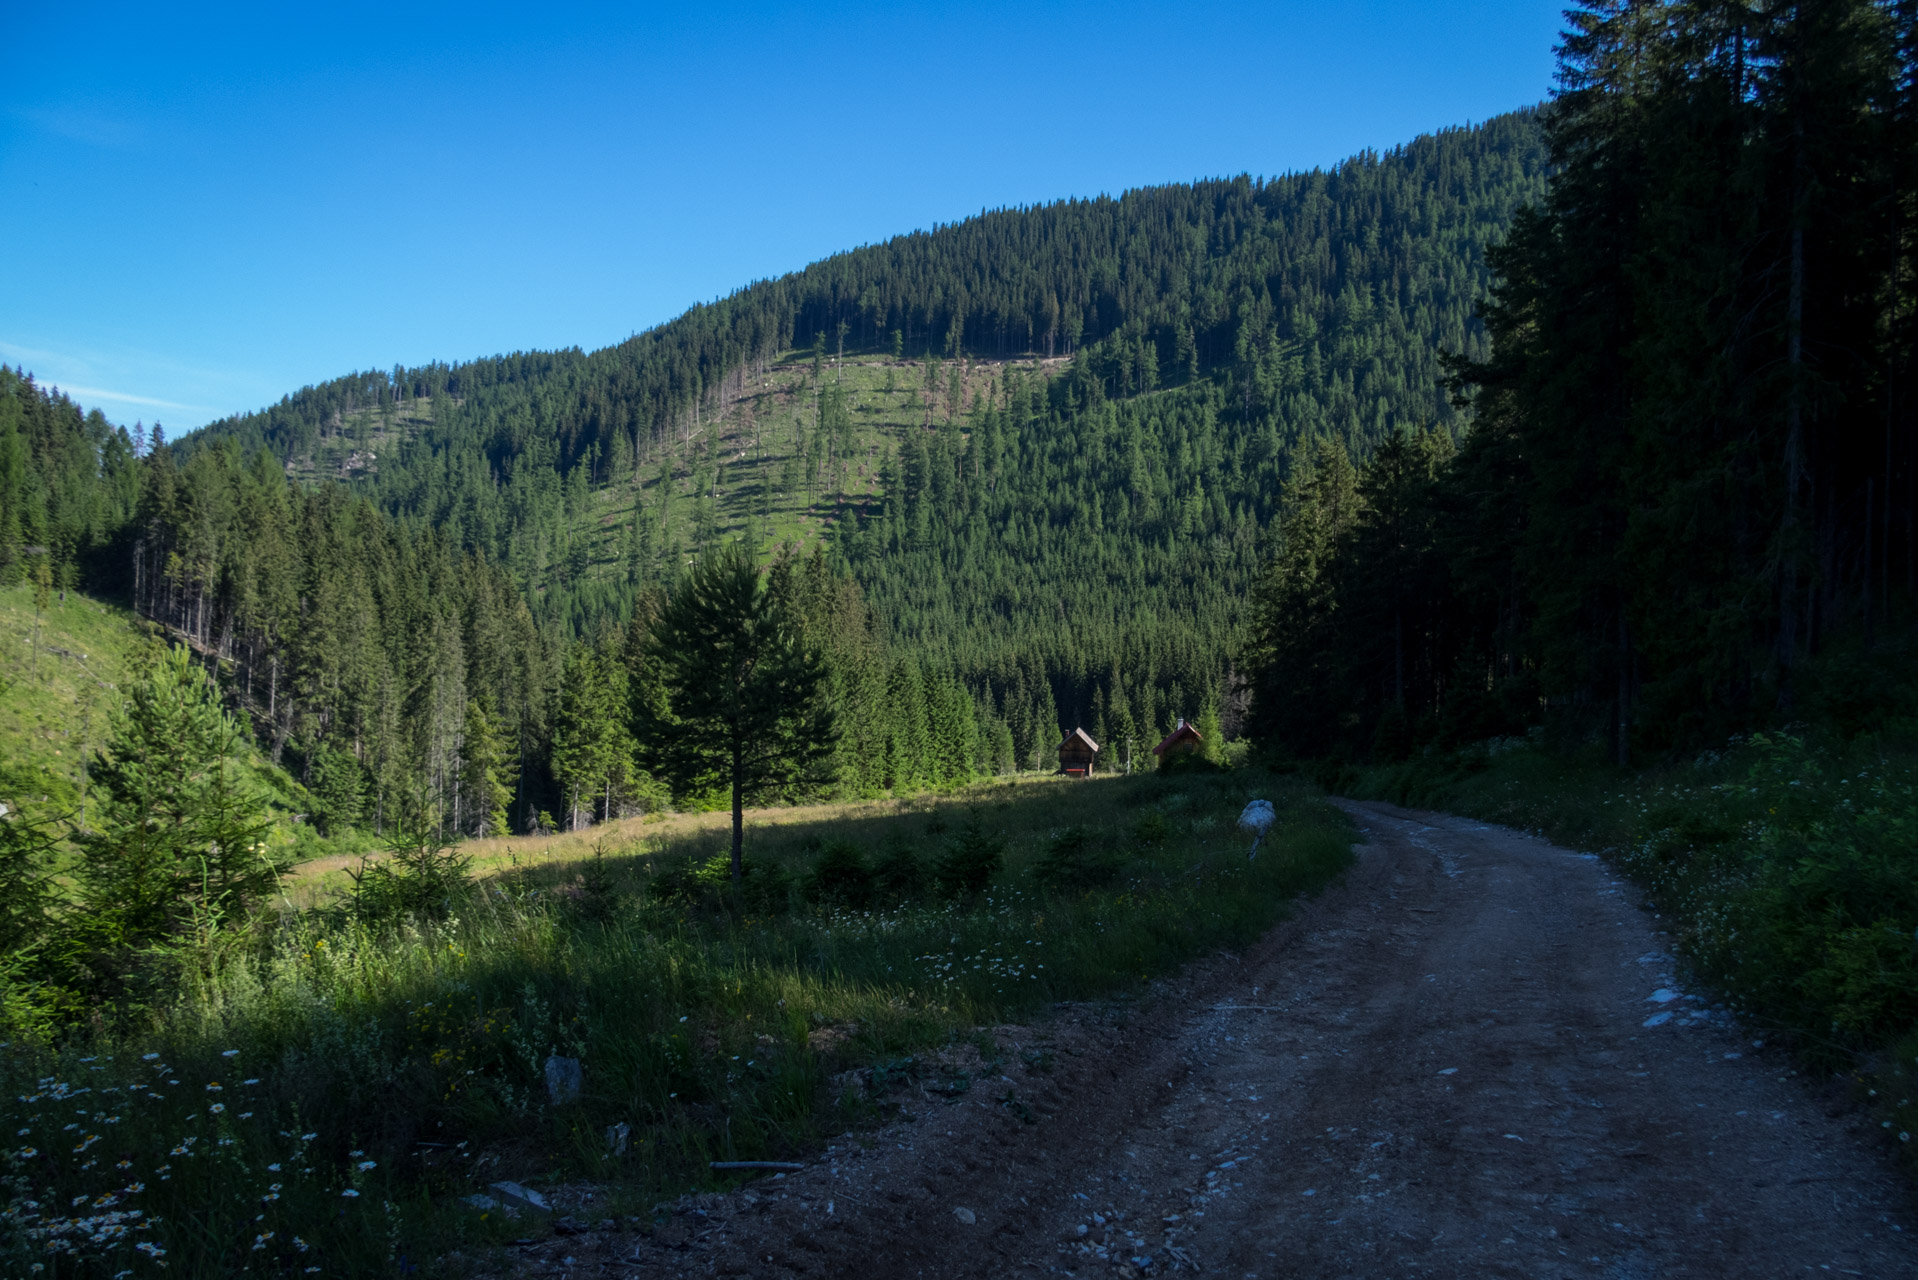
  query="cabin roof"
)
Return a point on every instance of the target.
[
  {"x": 1184, "y": 733},
  {"x": 1079, "y": 735}
]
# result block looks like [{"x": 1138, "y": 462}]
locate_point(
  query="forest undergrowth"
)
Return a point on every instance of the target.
[{"x": 323, "y": 1096}]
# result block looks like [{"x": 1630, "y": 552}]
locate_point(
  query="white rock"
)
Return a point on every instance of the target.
[
  {"x": 966, "y": 1216},
  {"x": 563, "y": 1076},
  {"x": 1257, "y": 820},
  {"x": 1258, "y": 817},
  {"x": 525, "y": 1195}
]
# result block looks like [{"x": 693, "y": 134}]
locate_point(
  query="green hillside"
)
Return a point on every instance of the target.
[
  {"x": 1071, "y": 525},
  {"x": 62, "y": 675},
  {"x": 59, "y": 671},
  {"x": 783, "y": 458}
]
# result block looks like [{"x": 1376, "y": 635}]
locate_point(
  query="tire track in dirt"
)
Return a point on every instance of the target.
[{"x": 1467, "y": 1059}]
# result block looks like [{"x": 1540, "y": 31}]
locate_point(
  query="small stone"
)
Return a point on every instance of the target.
[
  {"x": 482, "y": 1202},
  {"x": 563, "y": 1077},
  {"x": 525, "y": 1195},
  {"x": 965, "y": 1215}
]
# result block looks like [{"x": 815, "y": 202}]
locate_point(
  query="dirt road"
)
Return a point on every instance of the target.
[{"x": 1468, "y": 1059}]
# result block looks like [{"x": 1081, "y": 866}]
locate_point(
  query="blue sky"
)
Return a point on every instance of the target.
[{"x": 207, "y": 208}]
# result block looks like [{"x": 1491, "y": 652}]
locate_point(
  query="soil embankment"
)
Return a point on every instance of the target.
[{"x": 1468, "y": 1059}]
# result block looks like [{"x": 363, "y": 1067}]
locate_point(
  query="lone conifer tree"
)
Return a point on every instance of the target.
[{"x": 742, "y": 687}]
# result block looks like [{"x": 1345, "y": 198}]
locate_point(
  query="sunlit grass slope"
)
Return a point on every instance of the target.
[{"x": 61, "y": 676}]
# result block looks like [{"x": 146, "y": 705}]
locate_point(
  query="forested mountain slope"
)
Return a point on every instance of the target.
[
  {"x": 1038, "y": 450},
  {"x": 1052, "y": 520}
]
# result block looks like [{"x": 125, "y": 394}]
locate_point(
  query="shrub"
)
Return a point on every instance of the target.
[
  {"x": 421, "y": 876},
  {"x": 765, "y": 887},
  {"x": 1335, "y": 777},
  {"x": 693, "y": 881},
  {"x": 897, "y": 877},
  {"x": 972, "y": 858},
  {"x": 1153, "y": 828},
  {"x": 1818, "y": 921},
  {"x": 1182, "y": 763},
  {"x": 1392, "y": 740},
  {"x": 598, "y": 896},
  {"x": 1073, "y": 860},
  {"x": 840, "y": 877}
]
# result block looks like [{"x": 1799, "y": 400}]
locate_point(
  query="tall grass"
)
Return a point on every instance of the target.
[{"x": 381, "y": 1072}]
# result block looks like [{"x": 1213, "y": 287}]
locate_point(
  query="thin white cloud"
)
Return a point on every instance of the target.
[
  {"x": 26, "y": 353},
  {"x": 76, "y": 373},
  {"x": 95, "y": 393}
]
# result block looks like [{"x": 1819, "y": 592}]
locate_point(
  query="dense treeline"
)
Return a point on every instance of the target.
[
  {"x": 401, "y": 678},
  {"x": 1074, "y": 550},
  {"x": 1077, "y": 565},
  {"x": 68, "y": 484},
  {"x": 361, "y": 640},
  {"x": 1691, "y": 466}
]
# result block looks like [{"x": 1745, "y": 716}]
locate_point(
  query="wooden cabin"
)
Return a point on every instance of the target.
[
  {"x": 1076, "y": 754},
  {"x": 1182, "y": 741}
]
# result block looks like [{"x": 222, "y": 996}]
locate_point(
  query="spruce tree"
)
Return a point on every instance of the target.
[
  {"x": 586, "y": 735},
  {"x": 179, "y": 830},
  {"x": 489, "y": 771},
  {"x": 742, "y": 687}
]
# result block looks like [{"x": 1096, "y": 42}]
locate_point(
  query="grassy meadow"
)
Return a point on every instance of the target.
[{"x": 321, "y": 1097}]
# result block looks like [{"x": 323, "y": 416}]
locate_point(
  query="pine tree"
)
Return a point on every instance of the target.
[
  {"x": 1294, "y": 644},
  {"x": 743, "y": 688},
  {"x": 29, "y": 858}
]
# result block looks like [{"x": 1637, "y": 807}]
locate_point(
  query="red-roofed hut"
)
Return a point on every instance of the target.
[{"x": 1182, "y": 741}]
